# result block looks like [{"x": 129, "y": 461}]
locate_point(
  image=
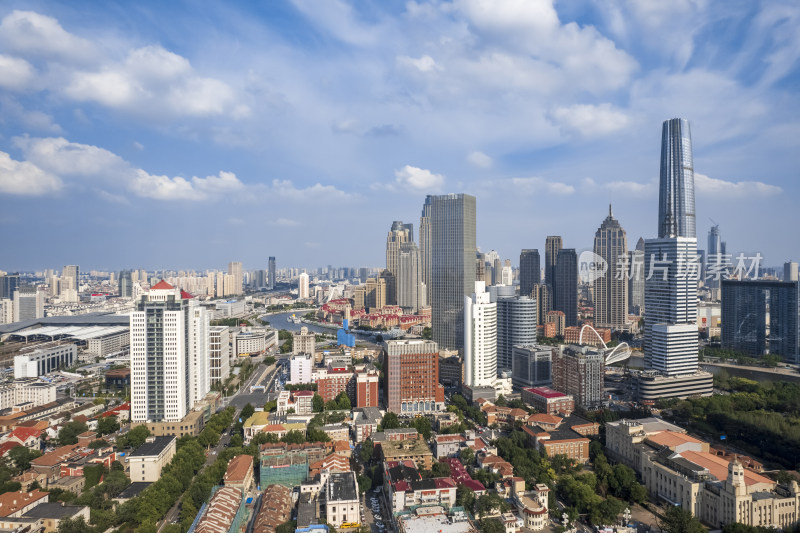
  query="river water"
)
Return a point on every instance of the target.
[{"x": 280, "y": 321}]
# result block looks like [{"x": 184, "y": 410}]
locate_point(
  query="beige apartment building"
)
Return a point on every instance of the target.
[{"x": 146, "y": 462}]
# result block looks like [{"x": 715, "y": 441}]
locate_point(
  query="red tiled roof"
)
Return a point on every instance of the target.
[
  {"x": 8, "y": 445},
  {"x": 24, "y": 434},
  {"x": 185, "y": 295},
  {"x": 546, "y": 392},
  {"x": 161, "y": 285}
]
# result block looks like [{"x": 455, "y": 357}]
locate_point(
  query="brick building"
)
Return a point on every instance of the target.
[
  {"x": 337, "y": 381},
  {"x": 367, "y": 389},
  {"x": 412, "y": 377},
  {"x": 547, "y": 400}
]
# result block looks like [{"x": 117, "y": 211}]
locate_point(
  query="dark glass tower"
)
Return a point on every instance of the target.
[
  {"x": 566, "y": 285},
  {"x": 453, "y": 248},
  {"x": 676, "y": 217},
  {"x": 529, "y": 273}
]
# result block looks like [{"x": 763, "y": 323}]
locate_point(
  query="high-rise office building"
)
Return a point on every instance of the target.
[
  {"x": 169, "y": 354},
  {"x": 480, "y": 338},
  {"x": 670, "y": 300},
  {"x": 636, "y": 277},
  {"x": 398, "y": 234},
  {"x": 761, "y": 317},
  {"x": 497, "y": 272},
  {"x": 507, "y": 273},
  {"x": 453, "y": 249},
  {"x": 480, "y": 267},
  {"x": 303, "y": 286},
  {"x": 676, "y": 215},
  {"x": 578, "y": 371},
  {"x": 411, "y": 377},
  {"x": 125, "y": 284},
  {"x": 425, "y": 244},
  {"x": 715, "y": 255},
  {"x": 544, "y": 301},
  {"x": 235, "y": 270},
  {"x": 566, "y": 285},
  {"x": 8, "y": 285},
  {"x": 611, "y": 289},
  {"x": 28, "y": 303},
  {"x": 552, "y": 246},
  {"x": 529, "y": 271},
  {"x": 390, "y": 286},
  {"x": 375, "y": 296},
  {"x": 363, "y": 274},
  {"x": 410, "y": 290},
  {"x": 271, "y": 273},
  {"x": 531, "y": 365},
  {"x": 219, "y": 354},
  {"x": 516, "y": 324},
  {"x": 790, "y": 271}
]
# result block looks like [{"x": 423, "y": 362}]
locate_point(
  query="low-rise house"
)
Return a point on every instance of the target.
[
  {"x": 276, "y": 509},
  {"x": 74, "y": 484},
  {"x": 342, "y": 504},
  {"x": 495, "y": 464},
  {"x": 225, "y": 512},
  {"x": 405, "y": 487},
  {"x": 26, "y": 479},
  {"x": 567, "y": 436},
  {"x": 415, "y": 450},
  {"x": 532, "y": 506},
  {"x": 28, "y": 437},
  {"x": 49, "y": 464},
  {"x": 15, "y": 504},
  {"x": 145, "y": 463},
  {"x": 448, "y": 445},
  {"x": 240, "y": 473},
  {"x": 53, "y": 513},
  {"x": 337, "y": 431}
]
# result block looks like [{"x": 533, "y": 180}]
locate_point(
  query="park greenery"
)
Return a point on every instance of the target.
[
  {"x": 288, "y": 341},
  {"x": 733, "y": 356},
  {"x": 762, "y": 419}
]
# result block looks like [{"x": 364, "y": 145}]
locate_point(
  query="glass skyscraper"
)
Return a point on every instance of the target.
[
  {"x": 452, "y": 256},
  {"x": 676, "y": 217},
  {"x": 566, "y": 285},
  {"x": 611, "y": 289},
  {"x": 529, "y": 273}
]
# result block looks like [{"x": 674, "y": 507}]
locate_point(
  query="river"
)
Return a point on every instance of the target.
[{"x": 280, "y": 321}]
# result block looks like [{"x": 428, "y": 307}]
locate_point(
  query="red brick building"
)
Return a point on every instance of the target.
[
  {"x": 337, "y": 381},
  {"x": 412, "y": 377},
  {"x": 367, "y": 389},
  {"x": 547, "y": 400},
  {"x": 572, "y": 336}
]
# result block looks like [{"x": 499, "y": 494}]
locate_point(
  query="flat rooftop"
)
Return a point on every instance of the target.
[
  {"x": 440, "y": 523},
  {"x": 149, "y": 449},
  {"x": 342, "y": 487},
  {"x": 53, "y": 510}
]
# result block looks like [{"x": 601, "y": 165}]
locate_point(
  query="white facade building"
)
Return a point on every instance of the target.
[
  {"x": 302, "y": 286},
  {"x": 300, "y": 368},
  {"x": 219, "y": 353},
  {"x": 480, "y": 338},
  {"x": 169, "y": 354},
  {"x": 33, "y": 392},
  {"x": 43, "y": 359}
]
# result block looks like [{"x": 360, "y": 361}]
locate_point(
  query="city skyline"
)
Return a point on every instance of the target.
[{"x": 130, "y": 134}]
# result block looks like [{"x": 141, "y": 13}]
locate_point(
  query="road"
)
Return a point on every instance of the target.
[{"x": 238, "y": 400}]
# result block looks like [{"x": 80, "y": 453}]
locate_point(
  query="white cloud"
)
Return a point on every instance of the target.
[
  {"x": 536, "y": 185},
  {"x": 32, "y": 33},
  {"x": 62, "y": 157},
  {"x": 15, "y": 73},
  {"x": 589, "y": 120},
  {"x": 286, "y": 189},
  {"x": 424, "y": 64},
  {"x": 479, "y": 159},
  {"x": 25, "y": 178},
  {"x": 733, "y": 189},
  {"x": 156, "y": 80},
  {"x": 164, "y": 187},
  {"x": 418, "y": 179}
]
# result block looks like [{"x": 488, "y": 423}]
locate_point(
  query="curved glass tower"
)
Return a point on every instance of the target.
[{"x": 676, "y": 186}]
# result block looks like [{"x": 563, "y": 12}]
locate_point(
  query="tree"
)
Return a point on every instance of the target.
[
  {"x": 343, "y": 401},
  {"x": 107, "y": 425},
  {"x": 367, "y": 449},
  {"x": 93, "y": 473},
  {"x": 501, "y": 401},
  {"x": 490, "y": 503},
  {"x": 492, "y": 525},
  {"x": 133, "y": 438},
  {"x": 390, "y": 421},
  {"x": 69, "y": 432},
  {"x": 678, "y": 520},
  {"x": 465, "y": 497},
  {"x": 236, "y": 441},
  {"x": 294, "y": 437},
  {"x": 76, "y": 525},
  {"x": 318, "y": 404},
  {"x": 467, "y": 456},
  {"x": 247, "y": 411},
  {"x": 269, "y": 360},
  {"x": 440, "y": 470},
  {"x": 97, "y": 444},
  {"x": 364, "y": 484},
  {"x": 22, "y": 457},
  {"x": 423, "y": 427}
]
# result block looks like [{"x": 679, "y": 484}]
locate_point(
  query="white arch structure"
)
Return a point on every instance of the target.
[{"x": 619, "y": 353}]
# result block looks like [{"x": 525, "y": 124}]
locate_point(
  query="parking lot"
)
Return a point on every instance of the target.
[{"x": 374, "y": 512}]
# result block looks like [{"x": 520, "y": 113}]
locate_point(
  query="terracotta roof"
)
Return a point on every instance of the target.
[
  {"x": 55, "y": 457},
  {"x": 24, "y": 434},
  {"x": 161, "y": 285},
  {"x": 238, "y": 469},
  {"x": 542, "y": 418},
  {"x": 8, "y": 445},
  {"x": 185, "y": 295},
  {"x": 718, "y": 466},
  {"x": 672, "y": 439},
  {"x": 12, "y": 502}
]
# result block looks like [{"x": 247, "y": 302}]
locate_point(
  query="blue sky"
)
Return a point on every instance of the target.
[{"x": 186, "y": 135}]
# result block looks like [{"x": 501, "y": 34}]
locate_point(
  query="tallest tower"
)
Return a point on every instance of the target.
[{"x": 676, "y": 186}]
